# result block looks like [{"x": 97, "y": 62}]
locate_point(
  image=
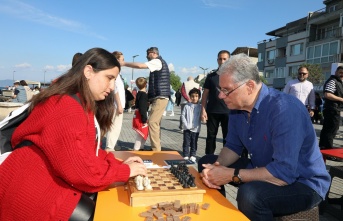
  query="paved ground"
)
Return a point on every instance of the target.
[{"x": 172, "y": 140}]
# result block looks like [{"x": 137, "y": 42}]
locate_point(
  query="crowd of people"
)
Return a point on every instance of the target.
[{"x": 274, "y": 163}]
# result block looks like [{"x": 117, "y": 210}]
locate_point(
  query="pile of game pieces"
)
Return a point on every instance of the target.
[{"x": 173, "y": 211}]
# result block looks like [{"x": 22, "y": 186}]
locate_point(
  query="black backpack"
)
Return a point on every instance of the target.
[{"x": 11, "y": 122}]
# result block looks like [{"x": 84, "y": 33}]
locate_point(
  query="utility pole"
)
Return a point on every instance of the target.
[
  {"x": 13, "y": 76},
  {"x": 44, "y": 77},
  {"x": 203, "y": 69}
]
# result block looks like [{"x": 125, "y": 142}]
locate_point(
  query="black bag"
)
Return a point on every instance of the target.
[{"x": 9, "y": 124}]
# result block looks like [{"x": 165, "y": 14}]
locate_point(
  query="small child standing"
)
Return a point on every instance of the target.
[
  {"x": 191, "y": 125},
  {"x": 140, "y": 117}
]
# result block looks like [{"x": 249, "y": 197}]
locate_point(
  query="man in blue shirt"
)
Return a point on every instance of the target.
[{"x": 285, "y": 172}]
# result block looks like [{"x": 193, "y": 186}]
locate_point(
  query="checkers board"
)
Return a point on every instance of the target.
[{"x": 165, "y": 187}]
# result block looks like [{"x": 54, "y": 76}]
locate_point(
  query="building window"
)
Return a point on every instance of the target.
[
  {"x": 322, "y": 53},
  {"x": 269, "y": 73},
  {"x": 260, "y": 57},
  {"x": 270, "y": 54},
  {"x": 332, "y": 8},
  {"x": 279, "y": 72},
  {"x": 297, "y": 49},
  {"x": 293, "y": 71}
]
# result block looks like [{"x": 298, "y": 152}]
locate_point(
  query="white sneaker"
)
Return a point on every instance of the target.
[
  {"x": 193, "y": 159},
  {"x": 172, "y": 114},
  {"x": 186, "y": 158},
  {"x": 164, "y": 113}
]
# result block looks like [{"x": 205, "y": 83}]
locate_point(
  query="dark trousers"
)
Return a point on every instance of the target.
[
  {"x": 190, "y": 143},
  {"x": 332, "y": 120},
  {"x": 213, "y": 122},
  {"x": 262, "y": 201}
]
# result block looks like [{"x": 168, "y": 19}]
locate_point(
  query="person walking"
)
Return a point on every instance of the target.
[
  {"x": 214, "y": 111},
  {"x": 333, "y": 105},
  {"x": 171, "y": 103},
  {"x": 178, "y": 97},
  {"x": 158, "y": 91}
]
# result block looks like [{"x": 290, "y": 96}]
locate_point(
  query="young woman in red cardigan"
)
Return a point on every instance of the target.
[{"x": 48, "y": 179}]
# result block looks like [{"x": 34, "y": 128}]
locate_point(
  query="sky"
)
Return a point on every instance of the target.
[{"x": 38, "y": 38}]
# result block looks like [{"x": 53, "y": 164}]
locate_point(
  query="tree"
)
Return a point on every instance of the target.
[
  {"x": 202, "y": 82},
  {"x": 175, "y": 81},
  {"x": 263, "y": 80},
  {"x": 315, "y": 73}
]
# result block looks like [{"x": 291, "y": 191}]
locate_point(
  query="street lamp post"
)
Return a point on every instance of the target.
[
  {"x": 133, "y": 60},
  {"x": 13, "y": 76},
  {"x": 203, "y": 69},
  {"x": 44, "y": 77}
]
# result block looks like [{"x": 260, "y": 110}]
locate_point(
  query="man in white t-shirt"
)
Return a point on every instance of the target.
[
  {"x": 158, "y": 91},
  {"x": 119, "y": 103},
  {"x": 302, "y": 89}
]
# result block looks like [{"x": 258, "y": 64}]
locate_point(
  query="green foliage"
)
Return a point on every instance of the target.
[
  {"x": 175, "y": 81},
  {"x": 263, "y": 80},
  {"x": 315, "y": 73},
  {"x": 202, "y": 82}
]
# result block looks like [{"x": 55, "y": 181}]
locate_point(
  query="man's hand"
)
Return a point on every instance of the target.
[
  {"x": 215, "y": 175},
  {"x": 204, "y": 116}
]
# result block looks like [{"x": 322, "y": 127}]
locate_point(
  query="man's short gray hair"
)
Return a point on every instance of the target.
[{"x": 241, "y": 67}]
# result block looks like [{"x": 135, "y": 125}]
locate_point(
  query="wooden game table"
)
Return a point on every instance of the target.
[{"x": 114, "y": 203}]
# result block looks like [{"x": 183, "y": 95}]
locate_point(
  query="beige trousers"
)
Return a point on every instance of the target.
[
  {"x": 112, "y": 135},
  {"x": 158, "y": 106}
]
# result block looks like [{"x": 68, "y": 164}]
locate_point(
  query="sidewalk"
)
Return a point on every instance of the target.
[{"x": 172, "y": 137}]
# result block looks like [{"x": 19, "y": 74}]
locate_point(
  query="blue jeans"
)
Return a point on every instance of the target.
[
  {"x": 190, "y": 142},
  {"x": 260, "y": 200}
]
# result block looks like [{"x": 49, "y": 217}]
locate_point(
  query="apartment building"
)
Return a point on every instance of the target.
[{"x": 315, "y": 39}]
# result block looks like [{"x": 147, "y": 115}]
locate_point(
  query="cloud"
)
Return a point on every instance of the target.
[
  {"x": 219, "y": 3},
  {"x": 27, "y": 12},
  {"x": 63, "y": 68},
  {"x": 190, "y": 71},
  {"x": 171, "y": 67},
  {"x": 49, "y": 68},
  {"x": 23, "y": 65}
]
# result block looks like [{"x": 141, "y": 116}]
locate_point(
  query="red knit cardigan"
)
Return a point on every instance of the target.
[{"x": 45, "y": 181}]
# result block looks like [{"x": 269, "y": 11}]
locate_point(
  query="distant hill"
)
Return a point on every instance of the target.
[{"x": 4, "y": 83}]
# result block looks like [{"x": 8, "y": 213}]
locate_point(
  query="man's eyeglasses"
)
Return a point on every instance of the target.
[
  {"x": 302, "y": 73},
  {"x": 226, "y": 92}
]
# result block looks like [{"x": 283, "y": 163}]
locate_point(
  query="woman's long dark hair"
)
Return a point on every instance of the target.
[{"x": 74, "y": 81}]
